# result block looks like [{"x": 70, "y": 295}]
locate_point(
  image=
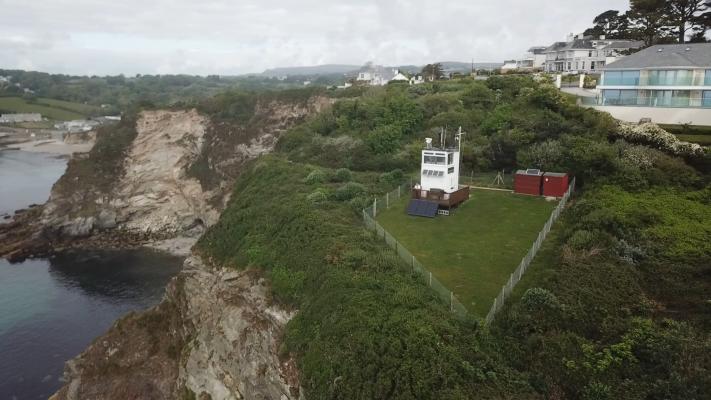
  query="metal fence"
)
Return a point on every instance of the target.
[
  {"x": 411, "y": 263},
  {"x": 526, "y": 262}
]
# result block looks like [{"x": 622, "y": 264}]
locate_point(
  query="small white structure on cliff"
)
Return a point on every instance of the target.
[{"x": 15, "y": 118}]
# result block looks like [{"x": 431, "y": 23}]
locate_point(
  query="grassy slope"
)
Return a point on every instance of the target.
[
  {"x": 47, "y": 108},
  {"x": 473, "y": 251},
  {"x": 374, "y": 330}
]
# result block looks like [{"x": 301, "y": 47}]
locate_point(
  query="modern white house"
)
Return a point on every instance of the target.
[
  {"x": 667, "y": 83},
  {"x": 583, "y": 54}
]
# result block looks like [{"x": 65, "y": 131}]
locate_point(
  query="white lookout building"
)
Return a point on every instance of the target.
[
  {"x": 438, "y": 191},
  {"x": 440, "y": 168}
]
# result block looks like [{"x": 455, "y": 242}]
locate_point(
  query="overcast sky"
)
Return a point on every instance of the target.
[{"x": 240, "y": 36}]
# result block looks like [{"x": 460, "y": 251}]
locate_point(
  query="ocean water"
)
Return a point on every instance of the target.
[{"x": 52, "y": 309}]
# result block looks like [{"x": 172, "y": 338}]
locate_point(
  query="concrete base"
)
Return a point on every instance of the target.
[{"x": 660, "y": 115}]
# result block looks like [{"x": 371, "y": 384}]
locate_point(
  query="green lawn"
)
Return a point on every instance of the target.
[
  {"x": 704, "y": 140},
  {"x": 474, "y": 250},
  {"x": 51, "y": 109}
]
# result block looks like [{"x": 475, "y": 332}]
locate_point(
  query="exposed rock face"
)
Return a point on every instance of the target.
[
  {"x": 215, "y": 334},
  {"x": 158, "y": 190},
  {"x": 155, "y": 194}
]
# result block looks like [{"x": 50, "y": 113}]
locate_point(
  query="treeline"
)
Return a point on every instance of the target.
[
  {"x": 656, "y": 22},
  {"x": 121, "y": 92}
]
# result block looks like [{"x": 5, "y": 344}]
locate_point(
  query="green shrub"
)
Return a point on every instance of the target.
[
  {"x": 342, "y": 175},
  {"x": 315, "y": 176},
  {"x": 318, "y": 196},
  {"x": 349, "y": 191},
  {"x": 538, "y": 299}
]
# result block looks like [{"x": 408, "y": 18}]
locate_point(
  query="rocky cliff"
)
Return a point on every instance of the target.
[
  {"x": 215, "y": 336},
  {"x": 162, "y": 174}
]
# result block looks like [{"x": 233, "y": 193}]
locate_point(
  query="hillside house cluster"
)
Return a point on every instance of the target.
[
  {"x": 577, "y": 54},
  {"x": 377, "y": 75},
  {"x": 18, "y": 118}
]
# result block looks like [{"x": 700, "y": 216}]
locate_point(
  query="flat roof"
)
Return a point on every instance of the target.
[{"x": 688, "y": 55}]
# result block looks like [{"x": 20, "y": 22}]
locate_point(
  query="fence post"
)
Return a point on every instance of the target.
[
  {"x": 387, "y": 200},
  {"x": 430, "y": 279},
  {"x": 451, "y": 301},
  {"x": 399, "y": 190},
  {"x": 375, "y": 207},
  {"x": 413, "y": 263}
]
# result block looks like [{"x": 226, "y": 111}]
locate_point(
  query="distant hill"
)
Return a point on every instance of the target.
[
  {"x": 326, "y": 69},
  {"x": 331, "y": 69}
]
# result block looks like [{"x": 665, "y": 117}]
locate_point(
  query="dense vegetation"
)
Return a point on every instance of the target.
[
  {"x": 121, "y": 93},
  {"x": 616, "y": 307}
]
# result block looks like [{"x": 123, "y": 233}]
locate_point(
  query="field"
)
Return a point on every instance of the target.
[
  {"x": 474, "y": 250},
  {"x": 51, "y": 109}
]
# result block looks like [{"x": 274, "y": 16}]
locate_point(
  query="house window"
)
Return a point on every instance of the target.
[
  {"x": 681, "y": 77},
  {"x": 621, "y": 78},
  {"x": 568, "y": 66},
  {"x": 450, "y": 159},
  {"x": 708, "y": 78},
  {"x": 706, "y": 102},
  {"x": 583, "y": 65},
  {"x": 617, "y": 97},
  {"x": 450, "y": 170},
  {"x": 577, "y": 65},
  {"x": 434, "y": 160},
  {"x": 592, "y": 65},
  {"x": 589, "y": 53},
  {"x": 670, "y": 98}
]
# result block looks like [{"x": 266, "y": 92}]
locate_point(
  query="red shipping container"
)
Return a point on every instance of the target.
[
  {"x": 528, "y": 182},
  {"x": 555, "y": 184}
]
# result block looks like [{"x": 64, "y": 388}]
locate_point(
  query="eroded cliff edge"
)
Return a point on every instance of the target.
[
  {"x": 215, "y": 335},
  {"x": 162, "y": 174}
]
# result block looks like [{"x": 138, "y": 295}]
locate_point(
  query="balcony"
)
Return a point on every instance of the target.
[{"x": 667, "y": 102}]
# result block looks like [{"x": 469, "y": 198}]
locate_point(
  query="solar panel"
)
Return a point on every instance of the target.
[{"x": 422, "y": 208}]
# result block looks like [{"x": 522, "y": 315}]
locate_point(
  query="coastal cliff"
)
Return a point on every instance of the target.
[
  {"x": 215, "y": 335},
  {"x": 160, "y": 175}
]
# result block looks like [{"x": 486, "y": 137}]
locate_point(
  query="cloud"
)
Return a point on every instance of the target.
[{"x": 231, "y": 37}]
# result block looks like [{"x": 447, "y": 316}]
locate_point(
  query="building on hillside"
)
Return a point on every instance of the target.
[
  {"x": 376, "y": 75},
  {"x": 509, "y": 65},
  {"x": 400, "y": 77},
  {"x": 17, "y": 118},
  {"x": 77, "y": 125},
  {"x": 668, "y": 84},
  {"x": 583, "y": 54},
  {"x": 417, "y": 79},
  {"x": 533, "y": 60}
]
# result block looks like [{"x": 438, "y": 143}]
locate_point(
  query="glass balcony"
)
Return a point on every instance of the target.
[
  {"x": 673, "y": 102},
  {"x": 707, "y": 82}
]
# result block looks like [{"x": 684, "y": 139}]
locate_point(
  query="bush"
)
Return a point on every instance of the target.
[
  {"x": 538, "y": 299},
  {"x": 317, "y": 197},
  {"x": 315, "y": 176},
  {"x": 342, "y": 175},
  {"x": 349, "y": 191}
]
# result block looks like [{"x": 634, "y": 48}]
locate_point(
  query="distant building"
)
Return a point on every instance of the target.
[
  {"x": 77, "y": 125},
  {"x": 666, "y": 83},
  {"x": 583, "y": 54},
  {"x": 534, "y": 59},
  {"x": 376, "y": 75},
  {"x": 417, "y": 79},
  {"x": 16, "y": 118},
  {"x": 400, "y": 77}
]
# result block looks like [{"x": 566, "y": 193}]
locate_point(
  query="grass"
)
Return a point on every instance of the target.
[
  {"x": 474, "y": 250},
  {"x": 486, "y": 179},
  {"x": 704, "y": 140},
  {"x": 49, "y": 109}
]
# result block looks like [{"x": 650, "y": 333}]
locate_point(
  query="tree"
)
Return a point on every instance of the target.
[
  {"x": 648, "y": 19},
  {"x": 684, "y": 16},
  {"x": 611, "y": 24},
  {"x": 433, "y": 72}
]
